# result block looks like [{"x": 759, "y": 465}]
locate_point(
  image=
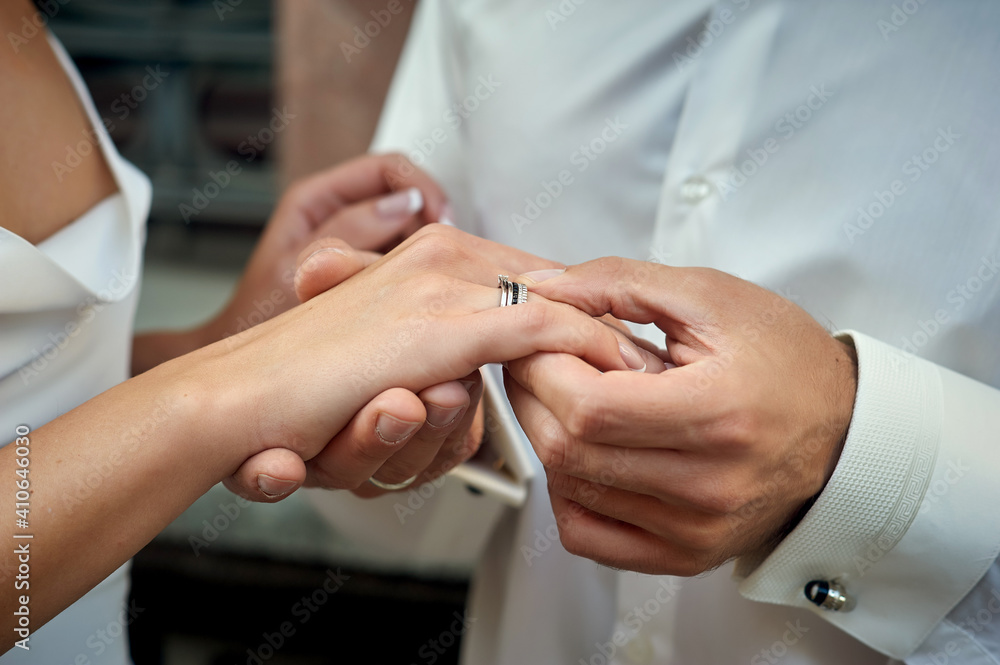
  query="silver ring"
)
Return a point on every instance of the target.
[
  {"x": 391, "y": 487},
  {"x": 511, "y": 293}
]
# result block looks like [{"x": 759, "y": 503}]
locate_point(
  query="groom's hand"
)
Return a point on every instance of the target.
[{"x": 677, "y": 472}]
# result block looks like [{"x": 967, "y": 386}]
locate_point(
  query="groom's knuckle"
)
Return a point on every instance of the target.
[
  {"x": 586, "y": 417},
  {"x": 554, "y": 447}
]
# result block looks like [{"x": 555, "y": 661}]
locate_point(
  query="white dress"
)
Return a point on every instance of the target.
[{"x": 66, "y": 316}]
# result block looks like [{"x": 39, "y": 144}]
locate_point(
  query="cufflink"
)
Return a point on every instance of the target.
[{"x": 828, "y": 595}]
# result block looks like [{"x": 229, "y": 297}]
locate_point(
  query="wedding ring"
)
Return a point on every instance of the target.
[
  {"x": 390, "y": 487},
  {"x": 522, "y": 294},
  {"x": 511, "y": 293}
]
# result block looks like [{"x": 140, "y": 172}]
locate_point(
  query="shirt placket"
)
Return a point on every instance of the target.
[{"x": 729, "y": 57}]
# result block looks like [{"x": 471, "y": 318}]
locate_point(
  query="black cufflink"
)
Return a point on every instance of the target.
[{"x": 828, "y": 595}]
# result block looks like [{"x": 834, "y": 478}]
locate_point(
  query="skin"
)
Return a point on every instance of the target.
[
  {"x": 708, "y": 461},
  {"x": 43, "y": 116},
  {"x": 210, "y": 406},
  {"x": 33, "y": 141},
  {"x": 451, "y": 445},
  {"x": 343, "y": 200},
  {"x": 711, "y": 455},
  {"x": 160, "y": 440},
  {"x": 680, "y": 471}
]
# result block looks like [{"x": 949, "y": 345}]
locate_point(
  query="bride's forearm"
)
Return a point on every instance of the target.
[{"x": 103, "y": 479}]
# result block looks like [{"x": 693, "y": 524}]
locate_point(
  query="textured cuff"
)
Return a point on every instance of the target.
[{"x": 875, "y": 492}]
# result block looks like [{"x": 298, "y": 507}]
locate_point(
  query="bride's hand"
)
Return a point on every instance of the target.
[
  {"x": 366, "y": 201},
  {"x": 404, "y": 435},
  {"x": 424, "y": 315}
]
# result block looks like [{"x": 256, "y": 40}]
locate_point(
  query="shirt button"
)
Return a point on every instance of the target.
[
  {"x": 695, "y": 189},
  {"x": 639, "y": 650}
]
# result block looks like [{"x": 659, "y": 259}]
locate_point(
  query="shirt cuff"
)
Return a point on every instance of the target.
[{"x": 901, "y": 525}]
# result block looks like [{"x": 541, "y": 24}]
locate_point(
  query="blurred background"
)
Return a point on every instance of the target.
[{"x": 186, "y": 87}]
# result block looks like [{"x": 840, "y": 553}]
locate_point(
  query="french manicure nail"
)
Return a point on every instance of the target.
[
  {"x": 393, "y": 430},
  {"x": 400, "y": 204},
  {"x": 537, "y": 276},
  {"x": 274, "y": 487},
  {"x": 632, "y": 359},
  {"x": 438, "y": 416},
  {"x": 447, "y": 216}
]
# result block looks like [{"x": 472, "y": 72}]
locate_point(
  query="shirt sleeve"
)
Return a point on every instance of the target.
[
  {"x": 970, "y": 634},
  {"x": 907, "y": 522}
]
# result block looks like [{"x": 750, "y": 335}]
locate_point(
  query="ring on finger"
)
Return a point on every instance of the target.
[{"x": 391, "y": 487}]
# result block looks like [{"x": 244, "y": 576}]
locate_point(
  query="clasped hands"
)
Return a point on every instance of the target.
[{"x": 708, "y": 449}]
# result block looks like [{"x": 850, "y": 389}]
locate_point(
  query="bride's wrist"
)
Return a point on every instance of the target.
[{"x": 206, "y": 413}]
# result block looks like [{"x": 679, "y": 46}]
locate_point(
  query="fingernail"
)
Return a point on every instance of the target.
[
  {"x": 438, "y": 416},
  {"x": 447, "y": 216},
  {"x": 468, "y": 385},
  {"x": 400, "y": 204},
  {"x": 632, "y": 359},
  {"x": 274, "y": 487},
  {"x": 537, "y": 276},
  {"x": 393, "y": 430}
]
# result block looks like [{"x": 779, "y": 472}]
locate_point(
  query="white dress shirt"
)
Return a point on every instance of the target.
[
  {"x": 844, "y": 154},
  {"x": 66, "y": 312}
]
